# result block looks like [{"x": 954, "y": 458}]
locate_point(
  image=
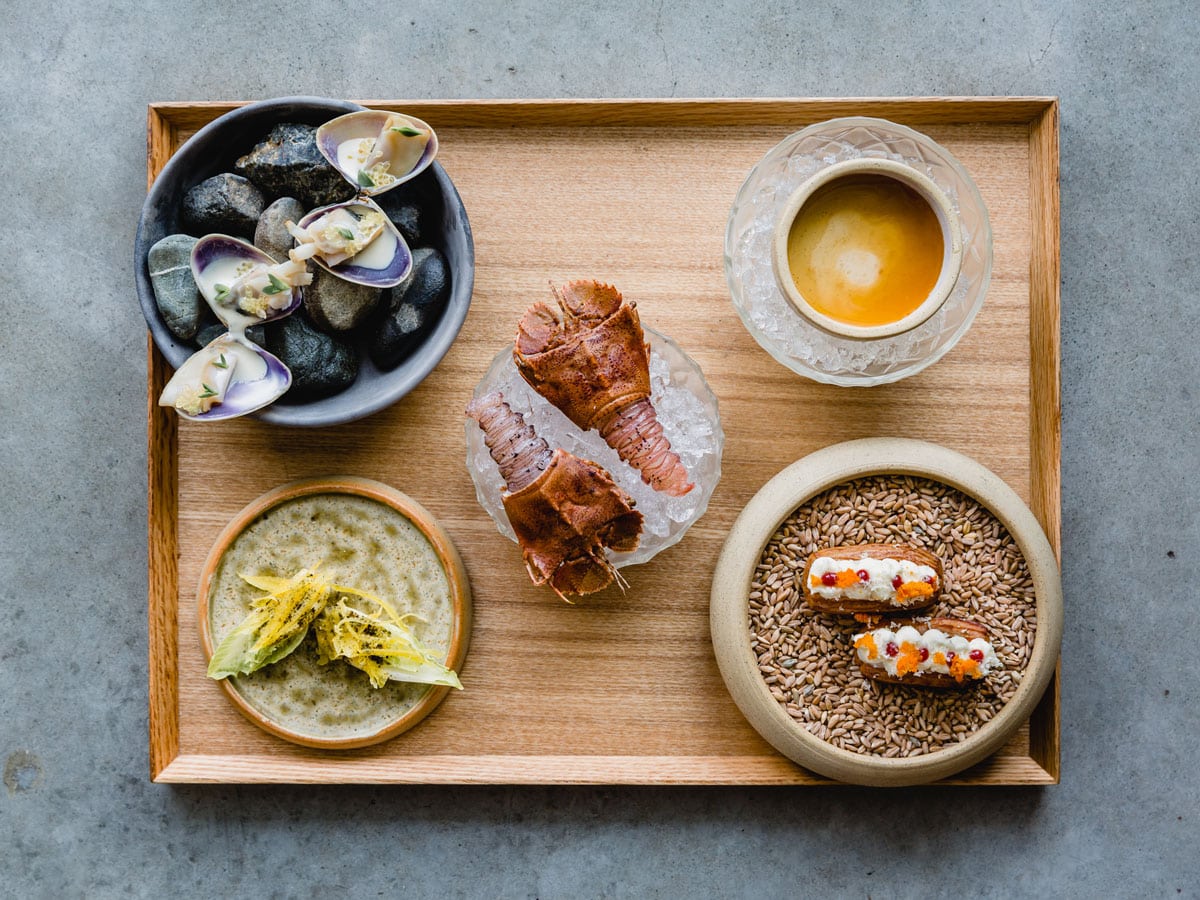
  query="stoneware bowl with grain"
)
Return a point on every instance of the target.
[
  {"x": 213, "y": 149},
  {"x": 447, "y": 555},
  {"x": 766, "y": 512}
]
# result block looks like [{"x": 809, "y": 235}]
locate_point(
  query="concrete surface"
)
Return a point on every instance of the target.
[{"x": 77, "y": 813}]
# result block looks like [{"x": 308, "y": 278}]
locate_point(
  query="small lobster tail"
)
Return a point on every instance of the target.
[
  {"x": 519, "y": 453},
  {"x": 637, "y": 436}
]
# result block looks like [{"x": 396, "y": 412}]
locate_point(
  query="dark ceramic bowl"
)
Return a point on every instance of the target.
[{"x": 213, "y": 149}]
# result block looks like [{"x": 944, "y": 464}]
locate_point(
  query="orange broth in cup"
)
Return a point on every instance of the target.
[{"x": 865, "y": 250}]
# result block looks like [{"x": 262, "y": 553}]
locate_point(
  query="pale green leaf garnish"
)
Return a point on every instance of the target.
[
  {"x": 360, "y": 628},
  {"x": 275, "y": 627},
  {"x": 370, "y": 634}
]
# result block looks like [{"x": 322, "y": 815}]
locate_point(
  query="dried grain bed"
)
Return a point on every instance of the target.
[{"x": 807, "y": 658}]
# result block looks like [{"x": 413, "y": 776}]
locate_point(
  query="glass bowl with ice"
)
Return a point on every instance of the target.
[{"x": 671, "y": 490}]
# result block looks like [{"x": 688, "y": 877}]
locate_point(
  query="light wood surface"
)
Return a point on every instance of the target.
[{"x": 617, "y": 688}]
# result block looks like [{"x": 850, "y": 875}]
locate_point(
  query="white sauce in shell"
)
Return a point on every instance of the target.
[
  {"x": 241, "y": 364},
  {"x": 354, "y": 541},
  {"x": 882, "y": 571},
  {"x": 226, "y": 270},
  {"x": 377, "y": 254}
]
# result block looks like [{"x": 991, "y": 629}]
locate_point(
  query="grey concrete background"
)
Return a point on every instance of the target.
[{"x": 77, "y": 813}]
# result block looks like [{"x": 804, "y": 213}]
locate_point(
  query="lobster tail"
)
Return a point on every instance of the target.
[
  {"x": 517, "y": 450},
  {"x": 637, "y": 435}
]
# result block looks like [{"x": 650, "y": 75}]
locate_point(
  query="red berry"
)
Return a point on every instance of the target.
[
  {"x": 829, "y": 579},
  {"x": 897, "y": 581},
  {"x": 863, "y": 575},
  {"x": 891, "y": 649},
  {"x": 977, "y": 655},
  {"x": 951, "y": 656},
  {"x": 931, "y": 581},
  {"x": 924, "y": 654}
]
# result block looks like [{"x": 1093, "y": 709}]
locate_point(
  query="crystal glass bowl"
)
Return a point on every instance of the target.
[
  {"x": 760, "y": 302},
  {"x": 687, "y": 409}
]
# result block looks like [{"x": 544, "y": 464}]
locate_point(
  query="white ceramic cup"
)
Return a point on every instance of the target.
[{"x": 933, "y": 195}]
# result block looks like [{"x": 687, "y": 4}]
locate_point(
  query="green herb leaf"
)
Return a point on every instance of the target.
[
  {"x": 407, "y": 130},
  {"x": 364, "y": 179},
  {"x": 276, "y": 286},
  {"x": 208, "y": 391},
  {"x": 220, "y": 363},
  {"x": 346, "y": 233}
]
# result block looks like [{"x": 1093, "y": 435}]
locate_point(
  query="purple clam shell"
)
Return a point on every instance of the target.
[
  {"x": 244, "y": 397},
  {"x": 389, "y": 276},
  {"x": 368, "y": 123},
  {"x": 215, "y": 247}
]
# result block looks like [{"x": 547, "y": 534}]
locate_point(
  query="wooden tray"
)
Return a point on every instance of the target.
[{"x": 616, "y": 689}]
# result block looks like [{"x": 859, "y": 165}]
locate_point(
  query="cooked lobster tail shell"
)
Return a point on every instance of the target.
[
  {"x": 516, "y": 448},
  {"x": 637, "y": 436},
  {"x": 566, "y": 518}
]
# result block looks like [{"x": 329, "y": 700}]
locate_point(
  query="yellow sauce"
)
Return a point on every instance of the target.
[
  {"x": 357, "y": 542},
  {"x": 865, "y": 250}
]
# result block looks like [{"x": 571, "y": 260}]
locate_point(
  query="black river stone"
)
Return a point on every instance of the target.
[
  {"x": 416, "y": 304},
  {"x": 223, "y": 204},
  {"x": 321, "y": 365},
  {"x": 407, "y": 220},
  {"x": 175, "y": 291},
  {"x": 288, "y": 164},
  {"x": 271, "y": 234},
  {"x": 335, "y": 304}
]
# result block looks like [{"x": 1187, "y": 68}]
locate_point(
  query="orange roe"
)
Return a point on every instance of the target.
[
  {"x": 847, "y": 578},
  {"x": 909, "y": 658},
  {"x": 939, "y": 658},
  {"x": 912, "y": 590},
  {"x": 867, "y": 641},
  {"x": 964, "y": 667}
]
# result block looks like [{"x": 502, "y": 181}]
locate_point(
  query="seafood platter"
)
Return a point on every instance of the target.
[{"x": 464, "y": 468}]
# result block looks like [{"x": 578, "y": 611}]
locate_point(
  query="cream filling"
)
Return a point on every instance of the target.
[
  {"x": 937, "y": 643},
  {"x": 882, "y": 573}
]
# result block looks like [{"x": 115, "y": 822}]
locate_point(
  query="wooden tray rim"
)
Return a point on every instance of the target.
[{"x": 1040, "y": 114}]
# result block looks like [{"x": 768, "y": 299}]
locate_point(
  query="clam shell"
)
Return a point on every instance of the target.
[
  {"x": 243, "y": 395},
  {"x": 214, "y": 261},
  {"x": 399, "y": 262},
  {"x": 367, "y": 124}
]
